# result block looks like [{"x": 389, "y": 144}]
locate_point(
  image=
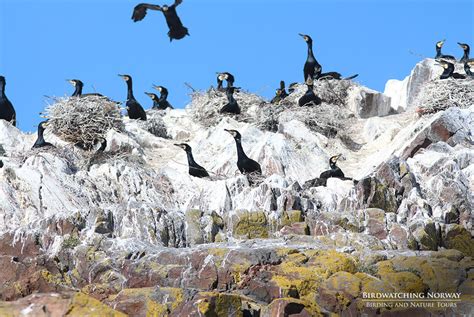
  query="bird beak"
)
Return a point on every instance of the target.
[
  {"x": 149, "y": 94},
  {"x": 338, "y": 157},
  {"x": 228, "y": 131},
  {"x": 300, "y": 34},
  {"x": 157, "y": 87},
  {"x": 123, "y": 76}
]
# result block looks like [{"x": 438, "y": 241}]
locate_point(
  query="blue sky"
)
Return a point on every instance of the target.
[{"x": 42, "y": 43}]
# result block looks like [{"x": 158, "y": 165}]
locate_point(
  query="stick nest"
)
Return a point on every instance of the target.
[
  {"x": 327, "y": 118},
  {"x": 82, "y": 121},
  {"x": 442, "y": 94}
]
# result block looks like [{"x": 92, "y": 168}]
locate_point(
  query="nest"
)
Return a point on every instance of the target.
[
  {"x": 327, "y": 118},
  {"x": 155, "y": 124},
  {"x": 442, "y": 94},
  {"x": 205, "y": 107},
  {"x": 85, "y": 120}
]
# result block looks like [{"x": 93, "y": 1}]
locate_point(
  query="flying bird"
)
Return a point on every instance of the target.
[{"x": 176, "y": 29}]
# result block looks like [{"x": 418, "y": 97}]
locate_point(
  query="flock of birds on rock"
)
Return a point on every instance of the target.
[{"x": 312, "y": 71}]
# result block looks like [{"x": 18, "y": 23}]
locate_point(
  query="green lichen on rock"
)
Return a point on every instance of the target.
[
  {"x": 250, "y": 225},
  {"x": 83, "y": 305},
  {"x": 427, "y": 237},
  {"x": 383, "y": 197},
  {"x": 460, "y": 239},
  {"x": 218, "y": 304}
]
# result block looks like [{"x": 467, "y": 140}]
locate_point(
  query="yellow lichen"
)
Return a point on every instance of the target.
[{"x": 83, "y": 305}]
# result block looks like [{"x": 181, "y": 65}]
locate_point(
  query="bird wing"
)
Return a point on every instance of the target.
[
  {"x": 139, "y": 11},
  {"x": 177, "y": 2}
]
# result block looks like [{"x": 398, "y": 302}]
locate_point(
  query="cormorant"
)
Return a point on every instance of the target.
[
  {"x": 176, "y": 29},
  {"x": 162, "y": 101},
  {"x": 467, "y": 50},
  {"x": 40, "y": 142},
  {"x": 195, "y": 169},
  {"x": 449, "y": 70},
  {"x": 311, "y": 68},
  {"x": 309, "y": 96},
  {"x": 78, "y": 91},
  {"x": 245, "y": 164},
  {"x": 232, "y": 106},
  {"x": 439, "y": 45},
  {"x": 335, "y": 171},
  {"x": 467, "y": 67},
  {"x": 134, "y": 109},
  {"x": 280, "y": 93},
  {"x": 227, "y": 77},
  {"x": 7, "y": 112}
]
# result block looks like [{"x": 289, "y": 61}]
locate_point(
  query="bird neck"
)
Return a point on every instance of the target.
[
  {"x": 310, "y": 51},
  {"x": 2, "y": 90},
  {"x": 130, "y": 90},
  {"x": 230, "y": 97},
  {"x": 310, "y": 88},
  {"x": 190, "y": 158},
  {"x": 332, "y": 165},
  {"x": 156, "y": 103},
  {"x": 240, "y": 150},
  {"x": 77, "y": 91},
  {"x": 163, "y": 96},
  {"x": 466, "y": 54},
  {"x": 40, "y": 135},
  {"x": 438, "y": 51}
]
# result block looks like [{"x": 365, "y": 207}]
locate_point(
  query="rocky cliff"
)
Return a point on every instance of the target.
[{"x": 128, "y": 231}]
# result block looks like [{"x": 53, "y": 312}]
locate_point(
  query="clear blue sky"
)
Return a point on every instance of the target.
[{"x": 42, "y": 43}]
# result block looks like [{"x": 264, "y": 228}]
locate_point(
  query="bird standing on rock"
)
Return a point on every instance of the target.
[
  {"x": 7, "y": 112},
  {"x": 195, "y": 169},
  {"x": 245, "y": 164},
  {"x": 466, "y": 50},
  {"x": 335, "y": 171},
  {"x": 40, "y": 141},
  {"x": 176, "y": 29},
  {"x": 134, "y": 109},
  {"x": 311, "y": 67},
  {"x": 163, "y": 100}
]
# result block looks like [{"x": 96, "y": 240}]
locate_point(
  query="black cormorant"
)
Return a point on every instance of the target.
[
  {"x": 7, "y": 112},
  {"x": 335, "y": 171},
  {"x": 195, "y": 169},
  {"x": 439, "y": 45},
  {"x": 466, "y": 50},
  {"x": 467, "y": 67},
  {"x": 176, "y": 29},
  {"x": 232, "y": 106},
  {"x": 78, "y": 89},
  {"x": 449, "y": 70},
  {"x": 154, "y": 98},
  {"x": 227, "y": 77},
  {"x": 309, "y": 97},
  {"x": 40, "y": 142},
  {"x": 280, "y": 93},
  {"x": 311, "y": 68},
  {"x": 134, "y": 109},
  {"x": 245, "y": 164},
  {"x": 162, "y": 101}
]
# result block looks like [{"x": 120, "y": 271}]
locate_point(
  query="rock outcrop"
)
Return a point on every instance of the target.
[{"x": 129, "y": 231}]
